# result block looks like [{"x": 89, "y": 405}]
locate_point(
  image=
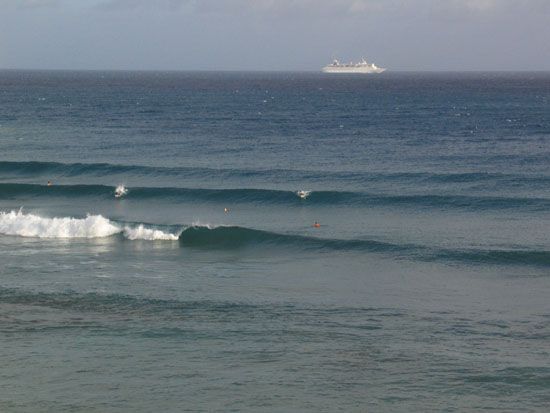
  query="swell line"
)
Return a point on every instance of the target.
[
  {"x": 58, "y": 169},
  {"x": 116, "y": 303},
  {"x": 18, "y": 223},
  {"x": 270, "y": 196},
  {"x": 231, "y": 237}
]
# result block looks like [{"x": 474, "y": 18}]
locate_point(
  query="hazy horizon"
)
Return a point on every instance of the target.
[
  {"x": 271, "y": 35},
  {"x": 305, "y": 71}
]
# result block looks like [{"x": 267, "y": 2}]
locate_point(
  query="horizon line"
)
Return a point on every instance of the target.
[{"x": 271, "y": 70}]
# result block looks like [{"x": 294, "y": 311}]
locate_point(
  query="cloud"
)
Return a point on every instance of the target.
[
  {"x": 488, "y": 6},
  {"x": 29, "y": 4},
  {"x": 117, "y": 5},
  {"x": 319, "y": 7},
  {"x": 274, "y": 7},
  {"x": 274, "y": 34},
  {"x": 292, "y": 7},
  {"x": 480, "y": 5}
]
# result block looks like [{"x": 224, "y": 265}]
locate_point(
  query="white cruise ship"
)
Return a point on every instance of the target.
[{"x": 361, "y": 67}]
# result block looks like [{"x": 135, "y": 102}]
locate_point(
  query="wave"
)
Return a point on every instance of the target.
[
  {"x": 19, "y": 223},
  {"x": 58, "y": 169},
  {"x": 540, "y": 258},
  {"x": 11, "y": 190},
  {"x": 208, "y": 237},
  {"x": 39, "y": 168},
  {"x": 150, "y": 234},
  {"x": 116, "y": 303},
  {"x": 238, "y": 237},
  {"x": 269, "y": 196},
  {"x": 93, "y": 226}
]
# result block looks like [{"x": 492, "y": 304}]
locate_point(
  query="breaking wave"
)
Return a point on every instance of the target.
[
  {"x": 150, "y": 234},
  {"x": 209, "y": 237},
  {"x": 93, "y": 226}
]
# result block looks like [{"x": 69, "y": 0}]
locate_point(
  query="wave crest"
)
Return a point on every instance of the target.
[
  {"x": 149, "y": 234},
  {"x": 93, "y": 226},
  {"x": 234, "y": 237},
  {"x": 30, "y": 225},
  {"x": 280, "y": 197}
]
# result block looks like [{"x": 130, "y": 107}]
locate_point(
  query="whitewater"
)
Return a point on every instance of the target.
[{"x": 93, "y": 226}]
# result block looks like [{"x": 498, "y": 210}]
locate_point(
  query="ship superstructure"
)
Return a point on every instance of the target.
[{"x": 362, "y": 67}]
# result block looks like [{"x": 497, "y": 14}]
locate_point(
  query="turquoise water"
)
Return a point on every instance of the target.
[{"x": 205, "y": 287}]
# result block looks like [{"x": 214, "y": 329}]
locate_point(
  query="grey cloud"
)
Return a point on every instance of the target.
[
  {"x": 334, "y": 11},
  {"x": 118, "y": 5},
  {"x": 273, "y": 7},
  {"x": 28, "y": 4},
  {"x": 316, "y": 6},
  {"x": 297, "y": 7},
  {"x": 274, "y": 34}
]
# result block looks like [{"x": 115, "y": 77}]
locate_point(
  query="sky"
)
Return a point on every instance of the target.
[{"x": 274, "y": 34}]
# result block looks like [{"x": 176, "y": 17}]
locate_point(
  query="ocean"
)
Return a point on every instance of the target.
[{"x": 206, "y": 286}]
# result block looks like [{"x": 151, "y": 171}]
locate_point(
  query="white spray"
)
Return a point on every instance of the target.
[{"x": 93, "y": 226}]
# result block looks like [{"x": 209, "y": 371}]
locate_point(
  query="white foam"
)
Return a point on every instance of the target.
[
  {"x": 93, "y": 226},
  {"x": 198, "y": 224},
  {"x": 149, "y": 234},
  {"x": 30, "y": 225}
]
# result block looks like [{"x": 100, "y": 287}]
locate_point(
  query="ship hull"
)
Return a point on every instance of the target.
[{"x": 364, "y": 70}]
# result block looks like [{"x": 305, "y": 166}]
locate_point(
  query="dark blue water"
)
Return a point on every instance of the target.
[{"x": 206, "y": 287}]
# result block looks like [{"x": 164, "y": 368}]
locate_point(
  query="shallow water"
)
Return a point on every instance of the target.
[{"x": 205, "y": 287}]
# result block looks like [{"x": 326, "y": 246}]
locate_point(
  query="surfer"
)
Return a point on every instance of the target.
[
  {"x": 226, "y": 210},
  {"x": 49, "y": 183},
  {"x": 303, "y": 194},
  {"x": 120, "y": 191},
  {"x": 316, "y": 225}
]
